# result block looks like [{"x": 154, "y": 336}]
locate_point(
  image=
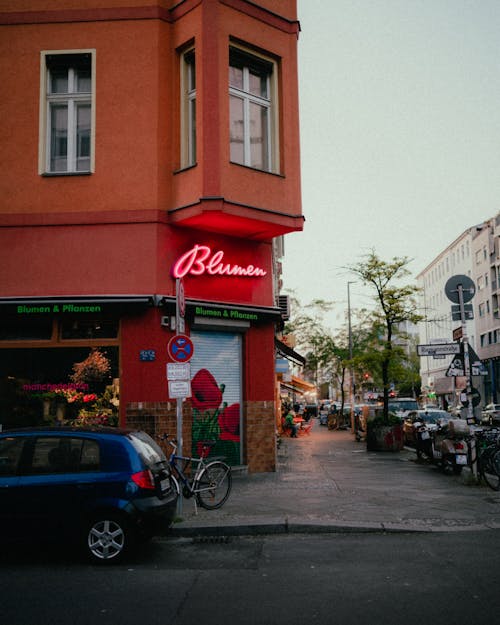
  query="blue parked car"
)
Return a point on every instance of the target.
[{"x": 105, "y": 488}]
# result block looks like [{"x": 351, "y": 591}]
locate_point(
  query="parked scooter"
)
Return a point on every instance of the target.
[{"x": 443, "y": 444}]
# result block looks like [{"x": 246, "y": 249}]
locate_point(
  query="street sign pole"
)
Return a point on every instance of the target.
[
  {"x": 470, "y": 409},
  {"x": 465, "y": 341},
  {"x": 179, "y": 325}
]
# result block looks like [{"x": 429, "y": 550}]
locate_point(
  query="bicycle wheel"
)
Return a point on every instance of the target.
[
  {"x": 213, "y": 486},
  {"x": 490, "y": 469}
]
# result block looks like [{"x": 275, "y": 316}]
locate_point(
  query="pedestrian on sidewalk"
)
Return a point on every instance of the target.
[
  {"x": 290, "y": 424},
  {"x": 333, "y": 415}
]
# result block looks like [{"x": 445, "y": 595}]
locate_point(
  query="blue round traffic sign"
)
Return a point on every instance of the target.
[{"x": 180, "y": 348}]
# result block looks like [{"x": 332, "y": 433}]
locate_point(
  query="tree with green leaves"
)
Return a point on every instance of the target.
[
  {"x": 395, "y": 304},
  {"x": 327, "y": 355}
]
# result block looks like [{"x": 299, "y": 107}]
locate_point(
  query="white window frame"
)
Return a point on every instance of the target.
[
  {"x": 188, "y": 108},
  {"x": 270, "y": 103},
  {"x": 72, "y": 99}
]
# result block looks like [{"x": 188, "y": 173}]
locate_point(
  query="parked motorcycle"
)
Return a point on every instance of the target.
[{"x": 444, "y": 444}]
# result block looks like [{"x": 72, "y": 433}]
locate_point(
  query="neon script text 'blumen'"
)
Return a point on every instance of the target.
[{"x": 200, "y": 259}]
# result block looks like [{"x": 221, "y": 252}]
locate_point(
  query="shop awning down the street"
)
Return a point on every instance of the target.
[
  {"x": 289, "y": 353},
  {"x": 297, "y": 385}
]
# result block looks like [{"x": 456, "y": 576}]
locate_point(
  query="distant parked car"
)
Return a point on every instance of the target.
[
  {"x": 491, "y": 414},
  {"x": 105, "y": 489},
  {"x": 402, "y": 405},
  {"x": 427, "y": 417}
]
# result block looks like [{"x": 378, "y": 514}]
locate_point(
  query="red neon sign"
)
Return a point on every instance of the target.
[{"x": 200, "y": 259}]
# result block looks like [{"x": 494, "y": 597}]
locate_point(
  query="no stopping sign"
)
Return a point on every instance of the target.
[{"x": 180, "y": 348}]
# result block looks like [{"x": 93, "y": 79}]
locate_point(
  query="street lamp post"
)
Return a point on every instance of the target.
[{"x": 351, "y": 371}]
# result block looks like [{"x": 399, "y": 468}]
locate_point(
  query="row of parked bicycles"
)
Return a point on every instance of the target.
[{"x": 454, "y": 444}]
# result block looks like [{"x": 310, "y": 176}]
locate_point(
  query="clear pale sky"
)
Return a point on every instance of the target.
[{"x": 400, "y": 135}]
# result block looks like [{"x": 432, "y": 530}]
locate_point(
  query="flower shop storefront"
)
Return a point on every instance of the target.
[{"x": 60, "y": 361}]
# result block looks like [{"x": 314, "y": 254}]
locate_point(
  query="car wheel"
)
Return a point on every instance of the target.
[{"x": 108, "y": 538}]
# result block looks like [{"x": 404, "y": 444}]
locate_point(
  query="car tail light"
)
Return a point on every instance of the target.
[{"x": 144, "y": 479}]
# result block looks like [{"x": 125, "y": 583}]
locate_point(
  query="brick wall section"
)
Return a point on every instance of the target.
[
  {"x": 260, "y": 436},
  {"x": 157, "y": 418}
]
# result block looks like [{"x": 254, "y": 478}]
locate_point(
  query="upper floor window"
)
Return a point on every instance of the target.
[
  {"x": 252, "y": 110},
  {"x": 66, "y": 121},
  {"x": 188, "y": 113}
]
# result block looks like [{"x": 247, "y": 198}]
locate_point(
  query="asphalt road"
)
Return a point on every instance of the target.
[{"x": 296, "y": 579}]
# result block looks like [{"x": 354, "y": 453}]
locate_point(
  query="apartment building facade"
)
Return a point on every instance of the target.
[
  {"x": 473, "y": 254},
  {"x": 148, "y": 148}
]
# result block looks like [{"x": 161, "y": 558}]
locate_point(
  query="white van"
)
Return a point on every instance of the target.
[{"x": 402, "y": 405}]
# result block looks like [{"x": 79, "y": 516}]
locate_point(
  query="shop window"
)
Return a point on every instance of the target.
[
  {"x": 28, "y": 329},
  {"x": 252, "y": 110},
  {"x": 188, "y": 112},
  {"x": 67, "y": 112},
  {"x": 89, "y": 329}
]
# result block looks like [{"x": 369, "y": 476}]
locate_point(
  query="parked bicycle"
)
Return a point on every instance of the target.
[
  {"x": 207, "y": 479},
  {"x": 488, "y": 456}
]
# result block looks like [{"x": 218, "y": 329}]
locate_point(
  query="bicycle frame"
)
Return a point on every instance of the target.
[
  {"x": 174, "y": 462},
  {"x": 195, "y": 484}
]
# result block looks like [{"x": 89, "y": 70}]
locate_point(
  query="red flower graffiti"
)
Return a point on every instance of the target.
[
  {"x": 206, "y": 395},
  {"x": 229, "y": 423}
]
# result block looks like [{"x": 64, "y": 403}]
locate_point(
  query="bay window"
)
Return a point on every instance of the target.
[{"x": 252, "y": 110}]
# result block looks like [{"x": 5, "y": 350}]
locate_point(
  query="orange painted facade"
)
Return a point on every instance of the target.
[{"x": 114, "y": 232}]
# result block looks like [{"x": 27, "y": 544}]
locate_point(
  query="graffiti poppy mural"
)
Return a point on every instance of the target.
[{"x": 215, "y": 395}]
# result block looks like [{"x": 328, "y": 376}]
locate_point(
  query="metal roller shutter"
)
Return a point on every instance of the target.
[{"x": 216, "y": 382}]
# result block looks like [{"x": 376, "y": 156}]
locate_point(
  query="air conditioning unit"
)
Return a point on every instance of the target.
[{"x": 284, "y": 304}]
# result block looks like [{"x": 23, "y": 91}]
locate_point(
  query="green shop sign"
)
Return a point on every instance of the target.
[
  {"x": 23, "y": 309},
  {"x": 226, "y": 313}
]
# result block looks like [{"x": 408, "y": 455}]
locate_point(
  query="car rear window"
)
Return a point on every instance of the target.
[
  {"x": 149, "y": 451},
  {"x": 10, "y": 454}
]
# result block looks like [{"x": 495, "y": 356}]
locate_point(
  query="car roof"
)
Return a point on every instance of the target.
[{"x": 67, "y": 430}]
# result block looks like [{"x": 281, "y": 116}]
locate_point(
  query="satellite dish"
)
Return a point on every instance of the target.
[{"x": 468, "y": 289}]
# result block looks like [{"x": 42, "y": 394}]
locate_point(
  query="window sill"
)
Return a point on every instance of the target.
[
  {"x": 57, "y": 174},
  {"x": 262, "y": 171},
  {"x": 186, "y": 168}
]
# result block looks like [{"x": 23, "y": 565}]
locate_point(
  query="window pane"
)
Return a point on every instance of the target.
[
  {"x": 192, "y": 131},
  {"x": 58, "y": 137},
  {"x": 32, "y": 329},
  {"x": 83, "y": 137},
  {"x": 258, "y": 136},
  {"x": 59, "y": 80},
  {"x": 46, "y": 456},
  {"x": 191, "y": 73},
  {"x": 10, "y": 454},
  {"x": 258, "y": 84},
  {"x": 89, "y": 329},
  {"x": 236, "y": 77},
  {"x": 83, "y": 81},
  {"x": 236, "y": 130}
]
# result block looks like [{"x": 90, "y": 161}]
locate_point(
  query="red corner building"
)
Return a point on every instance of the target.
[{"x": 150, "y": 166}]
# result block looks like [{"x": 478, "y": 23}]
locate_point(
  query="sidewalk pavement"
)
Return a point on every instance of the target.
[{"x": 327, "y": 482}]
